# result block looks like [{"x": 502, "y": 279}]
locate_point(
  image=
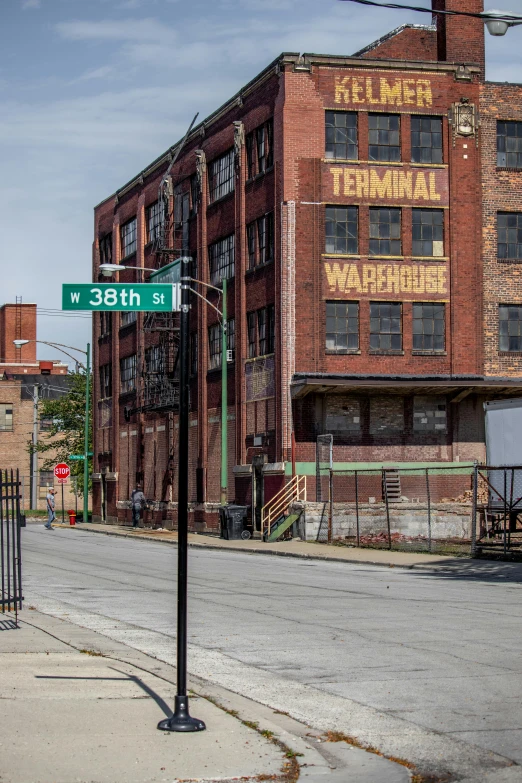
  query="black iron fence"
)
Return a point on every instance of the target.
[
  {"x": 497, "y": 510},
  {"x": 10, "y": 549},
  {"x": 429, "y": 509}
]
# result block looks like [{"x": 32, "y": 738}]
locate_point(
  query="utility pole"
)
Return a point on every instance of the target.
[
  {"x": 34, "y": 453},
  {"x": 86, "y": 438},
  {"x": 224, "y": 400},
  {"x": 181, "y": 720}
]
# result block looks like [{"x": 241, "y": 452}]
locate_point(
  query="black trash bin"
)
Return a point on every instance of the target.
[{"x": 233, "y": 524}]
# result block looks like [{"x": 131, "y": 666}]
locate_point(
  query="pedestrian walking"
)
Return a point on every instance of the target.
[
  {"x": 138, "y": 504},
  {"x": 51, "y": 516}
]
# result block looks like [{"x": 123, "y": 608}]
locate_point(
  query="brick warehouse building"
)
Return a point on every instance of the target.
[{"x": 369, "y": 234}]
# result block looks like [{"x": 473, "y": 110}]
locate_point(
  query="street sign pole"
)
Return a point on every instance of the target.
[
  {"x": 63, "y": 508},
  {"x": 86, "y": 438},
  {"x": 181, "y": 719}
]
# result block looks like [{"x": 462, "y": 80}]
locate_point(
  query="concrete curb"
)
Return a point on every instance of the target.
[{"x": 259, "y": 551}]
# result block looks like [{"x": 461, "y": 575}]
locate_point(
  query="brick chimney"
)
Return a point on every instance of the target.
[
  {"x": 460, "y": 39},
  {"x": 17, "y": 321}
]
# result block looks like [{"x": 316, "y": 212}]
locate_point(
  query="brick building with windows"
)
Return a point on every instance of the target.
[{"x": 366, "y": 211}]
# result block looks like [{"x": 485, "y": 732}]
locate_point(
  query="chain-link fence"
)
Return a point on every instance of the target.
[
  {"x": 427, "y": 509},
  {"x": 497, "y": 510}
]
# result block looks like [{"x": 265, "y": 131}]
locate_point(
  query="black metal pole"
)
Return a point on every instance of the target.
[
  {"x": 63, "y": 510},
  {"x": 181, "y": 719}
]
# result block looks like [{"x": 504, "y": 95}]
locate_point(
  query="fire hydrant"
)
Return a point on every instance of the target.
[{"x": 72, "y": 517}]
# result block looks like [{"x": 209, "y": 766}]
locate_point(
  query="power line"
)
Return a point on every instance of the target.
[{"x": 503, "y": 17}]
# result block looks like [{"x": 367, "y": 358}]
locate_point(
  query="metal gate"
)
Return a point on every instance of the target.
[
  {"x": 497, "y": 510},
  {"x": 10, "y": 550}
]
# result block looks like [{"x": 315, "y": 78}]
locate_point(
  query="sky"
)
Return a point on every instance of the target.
[{"x": 91, "y": 91}]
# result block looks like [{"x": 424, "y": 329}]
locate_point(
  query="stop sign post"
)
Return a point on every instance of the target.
[{"x": 62, "y": 472}]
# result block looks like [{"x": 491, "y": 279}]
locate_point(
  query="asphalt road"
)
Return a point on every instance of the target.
[{"x": 423, "y": 663}]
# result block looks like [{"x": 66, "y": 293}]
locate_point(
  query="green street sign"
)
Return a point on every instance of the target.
[
  {"x": 80, "y": 456},
  {"x": 144, "y": 297}
]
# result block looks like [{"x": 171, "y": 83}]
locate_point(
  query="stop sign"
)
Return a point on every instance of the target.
[{"x": 62, "y": 471}]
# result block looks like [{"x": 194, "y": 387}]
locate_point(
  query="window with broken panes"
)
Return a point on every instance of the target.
[
  {"x": 385, "y": 232},
  {"x": 428, "y": 326},
  {"x": 105, "y": 323},
  {"x": 105, "y": 380},
  {"x": 259, "y": 149},
  {"x": 221, "y": 258},
  {"x": 342, "y": 327},
  {"x": 6, "y": 416},
  {"x": 153, "y": 221},
  {"x": 429, "y": 414},
  {"x": 509, "y": 145},
  {"x": 106, "y": 249},
  {"x": 428, "y": 232},
  {"x": 385, "y": 326},
  {"x": 221, "y": 176},
  {"x": 426, "y": 139},
  {"x": 509, "y": 235},
  {"x": 384, "y": 131},
  {"x": 341, "y": 230},
  {"x": 128, "y": 317},
  {"x": 127, "y": 374},
  {"x": 260, "y": 240},
  {"x": 341, "y": 135},
  {"x": 154, "y": 360},
  {"x": 261, "y": 331},
  {"x": 510, "y": 327},
  {"x": 194, "y": 194},
  {"x": 128, "y": 236}
]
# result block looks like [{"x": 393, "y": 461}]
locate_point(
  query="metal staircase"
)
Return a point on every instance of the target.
[
  {"x": 275, "y": 516},
  {"x": 391, "y": 485}
]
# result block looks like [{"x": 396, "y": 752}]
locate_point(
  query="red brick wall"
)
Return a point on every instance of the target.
[
  {"x": 501, "y": 191},
  {"x": 411, "y": 42}
]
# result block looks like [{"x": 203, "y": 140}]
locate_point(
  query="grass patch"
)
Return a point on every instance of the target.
[{"x": 94, "y": 653}]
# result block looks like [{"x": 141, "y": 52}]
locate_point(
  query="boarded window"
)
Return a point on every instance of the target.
[
  {"x": 386, "y": 415},
  {"x": 343, "y": 415},
  {"x": 429, "y": 414}
]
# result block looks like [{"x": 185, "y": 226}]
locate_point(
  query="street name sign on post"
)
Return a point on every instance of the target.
[
  {"x": 80, "y": 456},
  {"x": 143, "y": 297}
]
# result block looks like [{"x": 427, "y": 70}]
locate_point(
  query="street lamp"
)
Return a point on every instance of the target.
[
  {"x": 498, "y": 22},
  {"x": 87, "y": 369},
  {"x": 108, "y": 270}
]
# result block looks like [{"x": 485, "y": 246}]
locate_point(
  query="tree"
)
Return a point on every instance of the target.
[{"x": 66, "y": 434}]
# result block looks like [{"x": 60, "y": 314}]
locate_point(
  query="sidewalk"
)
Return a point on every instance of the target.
[
  {"x": 78, "y": 706},
  {"x": 291, "y": 548}
]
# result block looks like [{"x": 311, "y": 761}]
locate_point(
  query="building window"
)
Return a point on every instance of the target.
[
  {"x": 106, "y": 249},
  {"x": 509, "y": 145},
  {"x": 384, "y": 137},
  {"x": 6, "y": 416},
  {"x": 128, "y": 317},
  {"x": 214, "y": 342},
  {"x": 259, "y": 148},
  {"x": 342, "y": 326},
  {"x": 128, "y": 374},
  {"x": 128, "y": 235},
  {"x": 428, "y": 327},
  {"x": 341, "y": 230},
  {"x": 105, "y": 381},
  {"x": 261, "y": 332},
  {"x": 341, "y": 135},
  {"x": 385, "y": 232},
  {"x": 221, "y": 176},
  {"x": 46, "y": 478},
  {"x": 510, "y": 323},
  {"x": 105, "y": 323},
  {"x": 385, "y": 326},
  {"x": 429, "y": 414},
  {"x": 221, "y": 259},
  {"x": 428, "y": 232},
  {"x": 153, "y": 218},
  {"x": 46, "y": 424},
  {"x": 154, "y": 360},
  {"x": 260, "y": 238},
  {"x": 509, "y": 235},
  {"x": 426, "y": 139},
  {"x": 343, "y": 415},
  {"x": 194, "y": 353}
]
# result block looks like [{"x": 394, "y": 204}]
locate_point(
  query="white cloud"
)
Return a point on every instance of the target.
[
  {"x": 31, "y": 4},
  {"x": 96, "y": 73},
  {"x": 117, "y": 30}
]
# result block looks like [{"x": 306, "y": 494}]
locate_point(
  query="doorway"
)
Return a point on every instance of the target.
[{"x": 258, "y": 490}]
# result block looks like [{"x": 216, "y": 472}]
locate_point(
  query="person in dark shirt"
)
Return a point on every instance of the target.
[{"x": 138, "y": 504}]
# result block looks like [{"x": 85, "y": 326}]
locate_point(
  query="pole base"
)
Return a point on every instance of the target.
[{"x": 181, "y": 720}]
